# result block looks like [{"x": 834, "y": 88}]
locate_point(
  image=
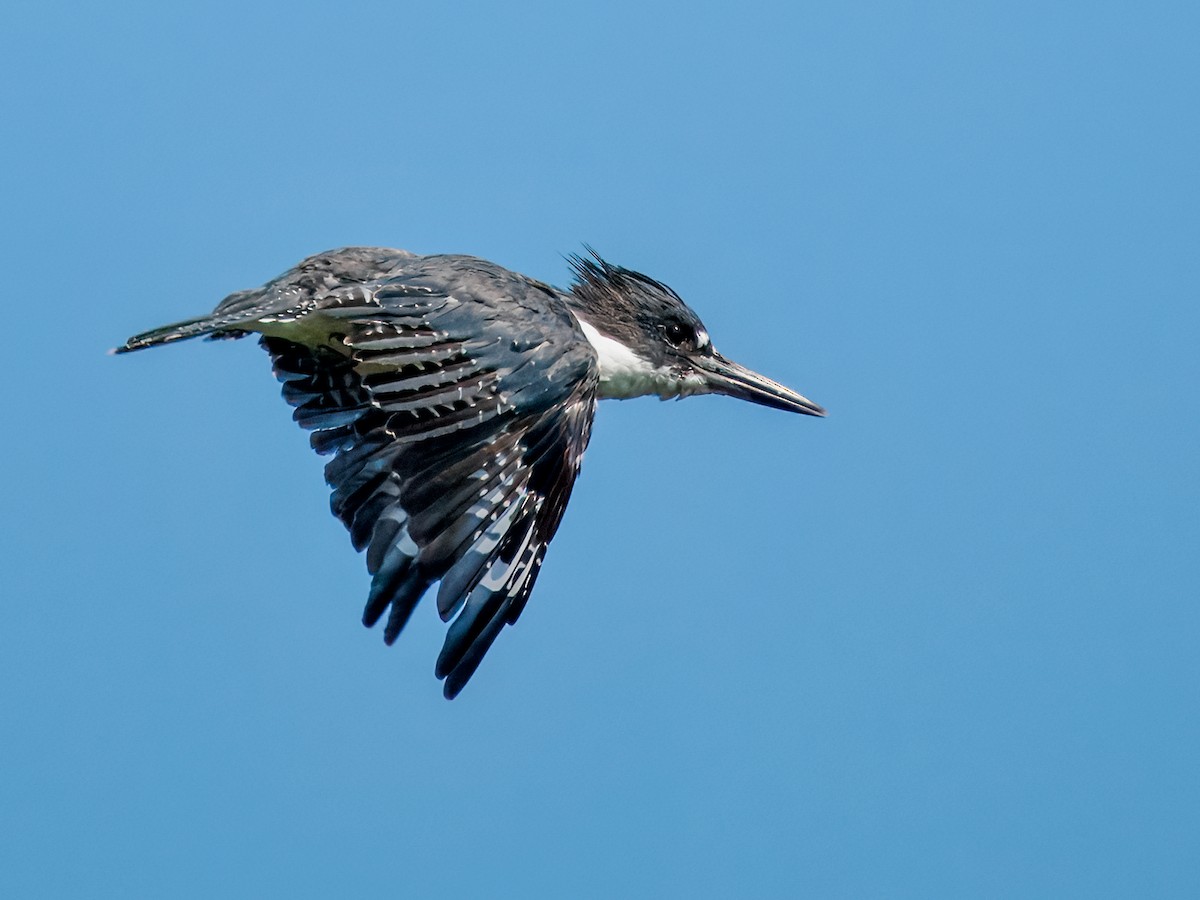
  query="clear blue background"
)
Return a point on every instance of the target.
[{"x": 943, "y": 643}]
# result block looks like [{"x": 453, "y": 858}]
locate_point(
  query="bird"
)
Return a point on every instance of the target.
[{"x": 454, "y": 399}]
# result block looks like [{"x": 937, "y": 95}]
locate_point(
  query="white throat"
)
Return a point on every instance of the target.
[{"x": 625, "y": 374}]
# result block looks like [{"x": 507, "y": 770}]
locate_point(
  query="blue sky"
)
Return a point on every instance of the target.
[{"x": 943, "y": 643}]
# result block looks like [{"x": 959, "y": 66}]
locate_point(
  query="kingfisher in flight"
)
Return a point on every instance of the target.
[{"x": 455, "y": 400}]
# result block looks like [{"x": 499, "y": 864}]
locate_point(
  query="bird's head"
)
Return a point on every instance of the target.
[{"x": 650, "y": 342}]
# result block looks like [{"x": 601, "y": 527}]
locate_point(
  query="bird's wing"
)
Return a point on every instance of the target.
[{"x": 457, "y": 400}]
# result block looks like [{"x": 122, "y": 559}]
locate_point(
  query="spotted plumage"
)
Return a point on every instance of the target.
[{"x": 455, "y": 400}]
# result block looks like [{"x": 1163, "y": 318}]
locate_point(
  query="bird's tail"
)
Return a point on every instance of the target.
[
  {"x": 221, "y": 324},
  {"x": 179, "y": 331}
]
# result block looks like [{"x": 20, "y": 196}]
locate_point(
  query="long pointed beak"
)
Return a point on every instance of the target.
[{"x": 724, "y": 376}]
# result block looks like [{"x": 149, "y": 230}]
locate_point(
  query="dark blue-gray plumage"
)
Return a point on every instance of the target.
[{"x": 456, "y": 398}]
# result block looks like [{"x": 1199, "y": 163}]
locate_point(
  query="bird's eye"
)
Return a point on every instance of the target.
[{"x": 679, "y": 333}]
